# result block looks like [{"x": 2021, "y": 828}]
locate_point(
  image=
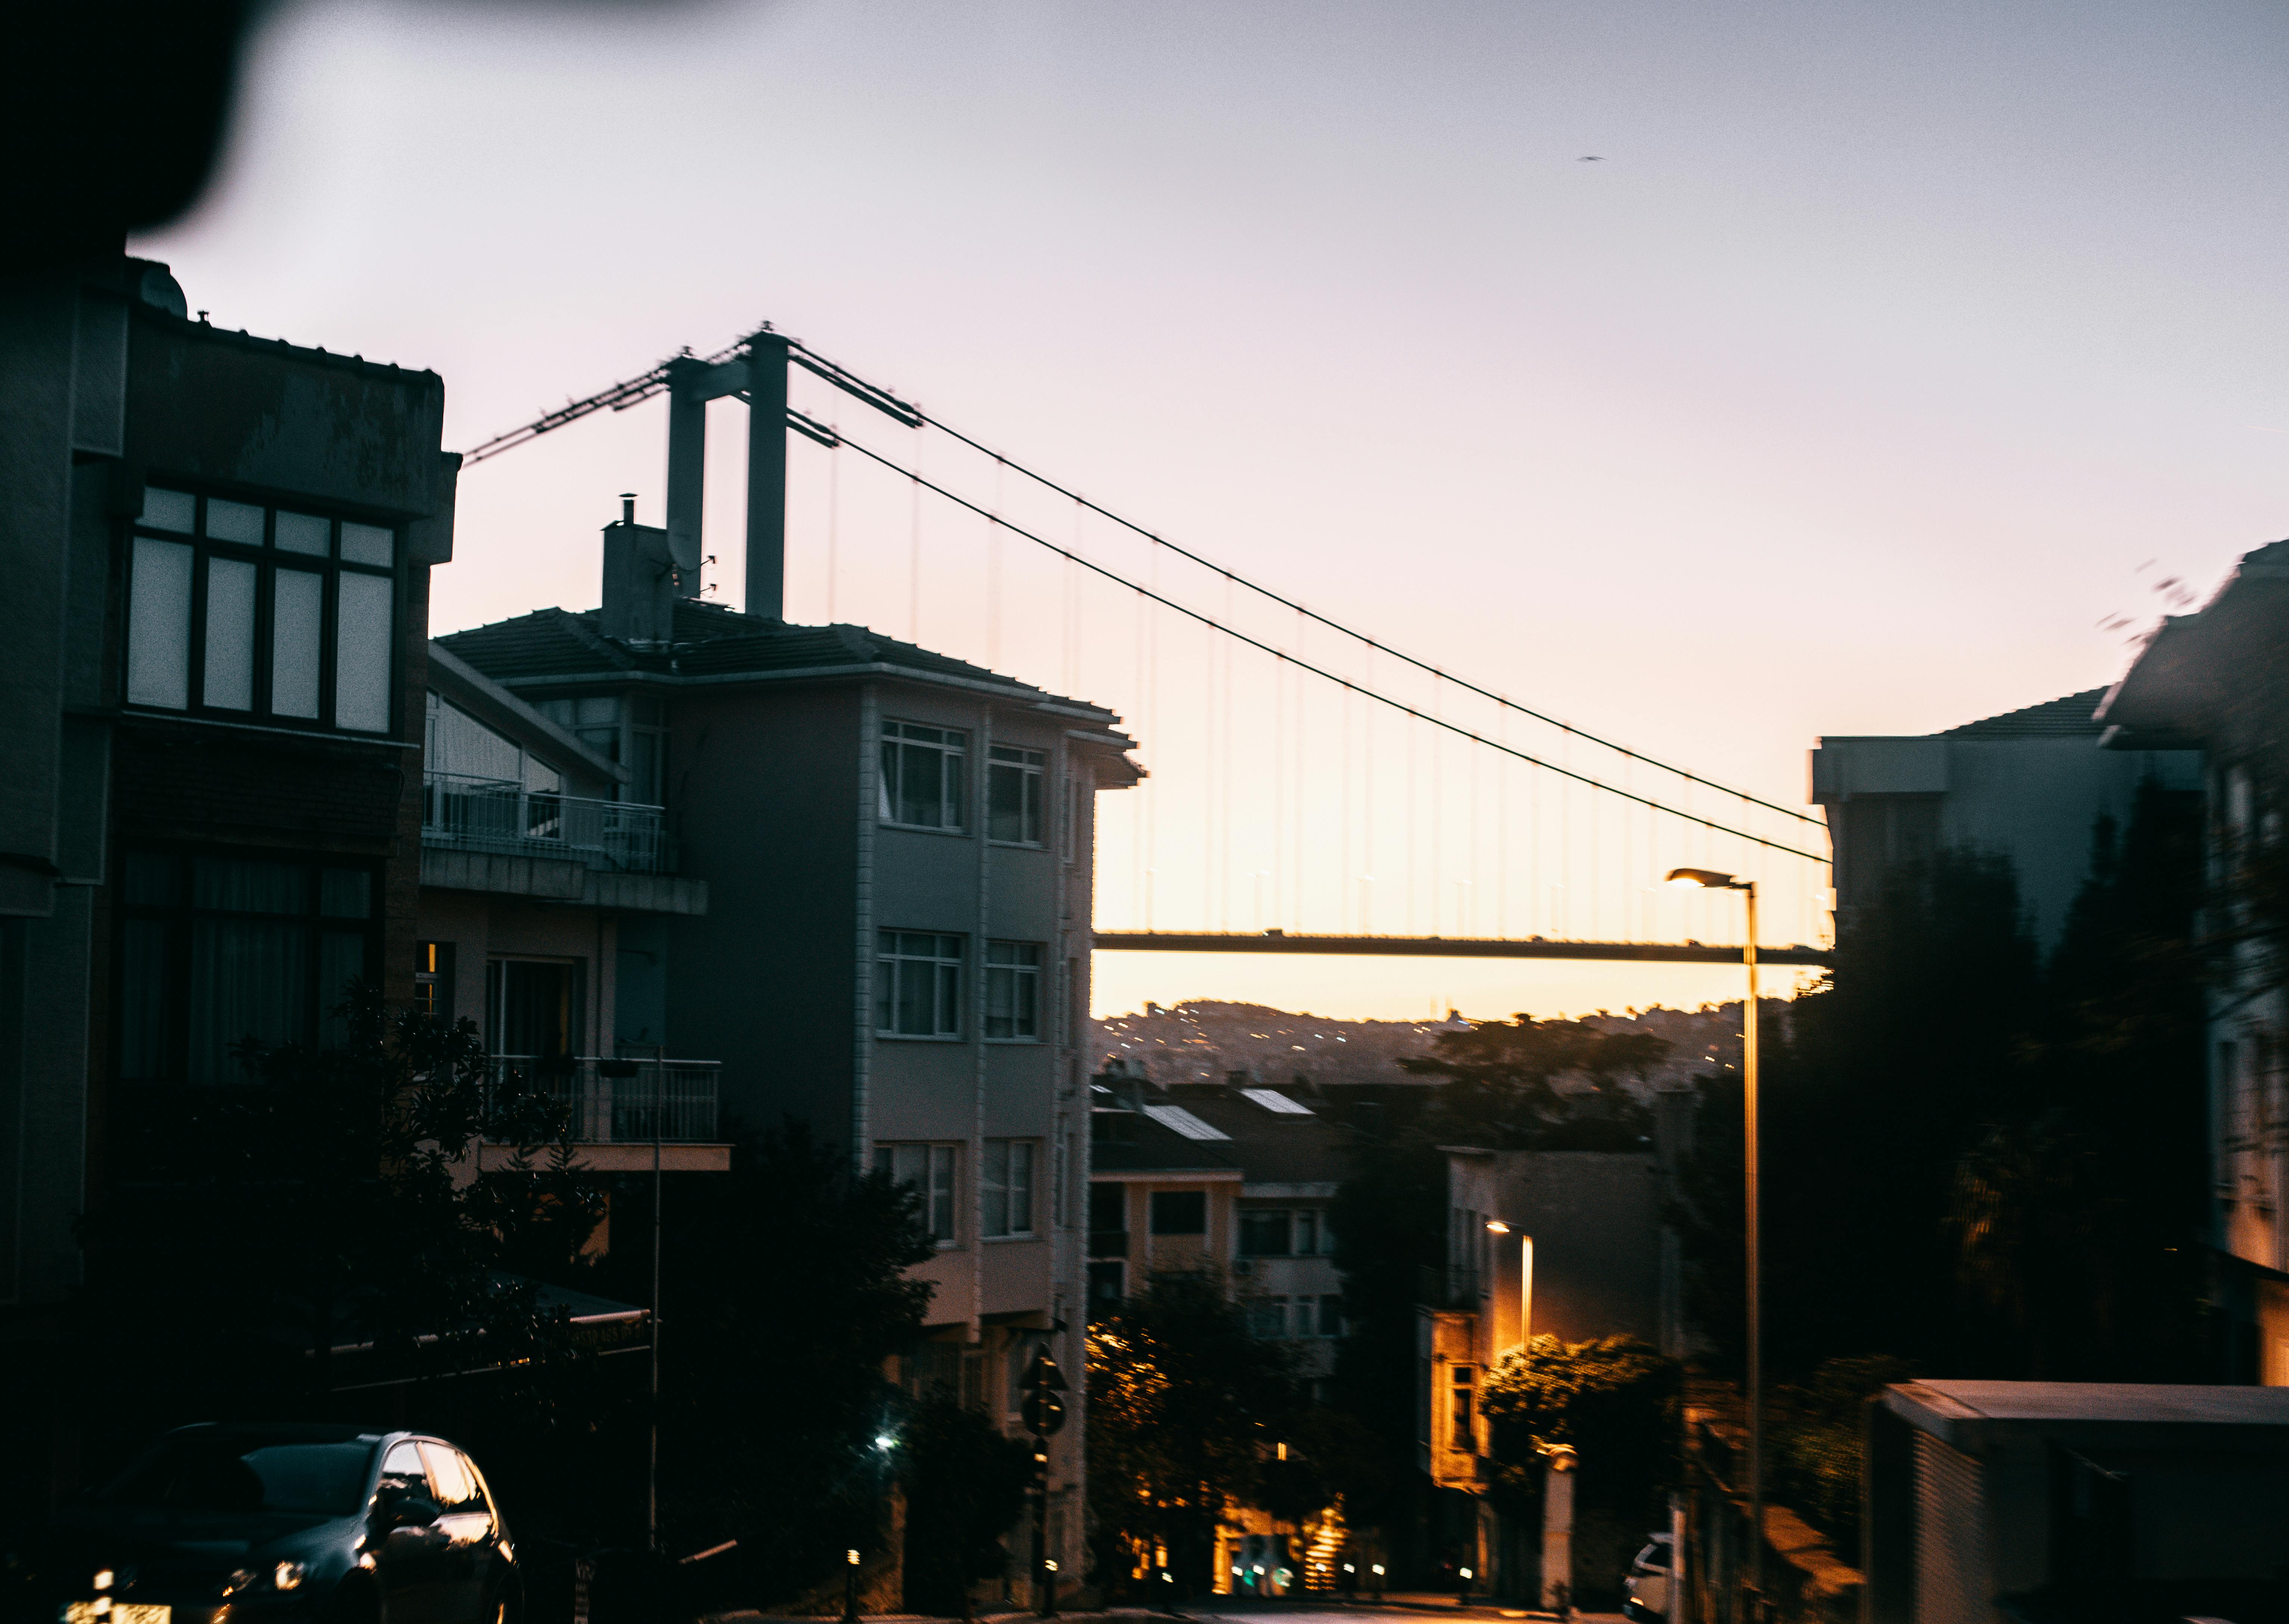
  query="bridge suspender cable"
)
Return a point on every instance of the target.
[
  {"x": 1280, "y": 654},
  {"x": 1338, "y": 626},
  {"x": 633, "y": 390}
]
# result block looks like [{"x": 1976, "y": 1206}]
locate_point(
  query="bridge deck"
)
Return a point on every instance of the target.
[{"x": 1444, "y": 947}]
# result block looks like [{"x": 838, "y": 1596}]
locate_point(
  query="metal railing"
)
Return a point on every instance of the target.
[
  {"x": 617, "y": 1101},
  {"x": 497, "y": 815}
]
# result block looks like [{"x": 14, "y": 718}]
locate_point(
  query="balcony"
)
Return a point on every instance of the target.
[
  {"x": 622, "y": 1108},
  {"x": 459, "y": 813}
]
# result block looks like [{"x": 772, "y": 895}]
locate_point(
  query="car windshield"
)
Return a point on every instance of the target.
[{"x": 247, "y": 1473}]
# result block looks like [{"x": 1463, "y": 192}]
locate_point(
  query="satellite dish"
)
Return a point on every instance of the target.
[{"x": 683, "y": 546}]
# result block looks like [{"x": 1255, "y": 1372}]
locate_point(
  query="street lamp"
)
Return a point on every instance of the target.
[
  {"x": 1711, "y": 880},
  {"x": 1495, "y": 1226}
]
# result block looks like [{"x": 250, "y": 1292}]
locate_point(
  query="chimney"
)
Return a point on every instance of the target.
[{"x": 639, "y": 580}]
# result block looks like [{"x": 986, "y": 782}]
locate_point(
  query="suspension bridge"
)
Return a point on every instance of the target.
[{"x": 1312, "y": 788}]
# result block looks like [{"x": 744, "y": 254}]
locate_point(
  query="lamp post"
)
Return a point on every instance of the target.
[
  {"x": 1495, "y": 1226},
  {"x": 1711, "y": 880}
]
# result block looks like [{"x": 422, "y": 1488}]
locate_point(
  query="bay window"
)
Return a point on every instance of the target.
[{"x": 262, "y": 614}]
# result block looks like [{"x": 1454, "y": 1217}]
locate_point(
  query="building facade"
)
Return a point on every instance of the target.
[
  {"x": 219, "y": 553},
  {"x": 540, "y": 884},
  {"x": 2029, "y": 784},
  {"x": 899, "y": 849},
  {"x": 2217, "y": 682}
]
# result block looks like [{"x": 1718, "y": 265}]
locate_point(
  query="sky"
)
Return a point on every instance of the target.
[{"x": 1883, "y": 361}]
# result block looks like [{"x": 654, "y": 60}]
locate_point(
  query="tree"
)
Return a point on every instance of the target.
[
  {"x": 1994, "y": 1165},
  {"x": 1615, "y": 1401},
  {"x": 1181, "y": 1402},
  {"x": 1874, "y": 1083},
  {"x": 966, "y": 1486},
  {"x": 1390, "y": 1223},
  {"x": 1818, "y": 1441},
  {"x": 2077, "y": 1210},
  {"x": 326, "y": 1202},
  {"x": 783, "y": 1293},
  {"x": 1502, "y": 1078}
]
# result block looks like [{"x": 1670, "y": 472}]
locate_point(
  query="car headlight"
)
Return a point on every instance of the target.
[{"x": 284, "y": 1576}]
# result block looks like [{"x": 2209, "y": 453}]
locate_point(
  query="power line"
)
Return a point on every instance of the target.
[{"x": 1399, "y": 705}]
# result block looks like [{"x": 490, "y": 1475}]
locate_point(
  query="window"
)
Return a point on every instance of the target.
[
  {"x": 1012, "y": 991},
  {"x": 214, "y": 950},
  {"x": 1013, "y": 794},
  {"x": 1331, "y": 1315},
  {"x": 1180, "y": 1211},
  {"x": 1464, "y": 1435},
  {"x": 455, "y": 1480},
  {"x": 533, "y": 1007},
  {"x": 433, "y": 980},
  {"x": 1267, "y": 1316},
  {"x": 1263, "y": 1234},
  {"x": 1106, "y": 1287},
  {"x": 1108, "y": 1216},
  {"x": 455, "y": 745},
  {"x": 631, "y": 732},
  {"x": 1008, "y": 1187},
  {"x": 928, "y": 1169},
  {"x": 918, "y": 985},
  {"x": 921, "y": 775},
  {"x": 1307, "y": 1233},
  {"x": 260, "y": 614},
  {"x": 403, "y": 1477}
]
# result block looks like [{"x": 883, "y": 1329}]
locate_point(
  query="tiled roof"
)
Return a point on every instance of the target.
[
  {"x": 710, "y": 640},
  {"x": 2067, "y": 718}
]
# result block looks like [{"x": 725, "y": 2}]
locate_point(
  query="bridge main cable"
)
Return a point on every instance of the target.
[
  {"x": 1335, "y": 626},
  {"x": 1301, "y": 664},
  {"x": 633, "y": 390}
]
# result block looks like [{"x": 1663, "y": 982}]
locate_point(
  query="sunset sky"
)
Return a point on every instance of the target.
[{"x": 1884, "y": 357}]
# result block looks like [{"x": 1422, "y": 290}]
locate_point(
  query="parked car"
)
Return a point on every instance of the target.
[
  {"x": 263, "y": 1523},
  {"x": 1645, "y": 1593}
]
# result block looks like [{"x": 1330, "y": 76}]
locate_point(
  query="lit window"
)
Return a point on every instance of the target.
[
  {"x": 1007, "y": 1187},
  {"x": 433, "y": 980},
  {"x": 239, "y": 610},
  {"x": 1014, "y": 778},
  {"x": 1013, "y": 990},
  {"x": 921, "y": 775},
  {"x": 928, "y": 1170},
  {"x": 918, "y": 985}
]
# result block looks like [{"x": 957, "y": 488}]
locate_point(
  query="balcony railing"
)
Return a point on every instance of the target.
[
  {"x": 496, "y": 814},
  {"x": 617, "y": 1102}
]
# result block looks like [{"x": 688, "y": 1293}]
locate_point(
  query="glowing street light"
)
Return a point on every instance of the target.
[
  {"x": 1711, "y": 880},
  {"x": 1495, "y": 1226}
]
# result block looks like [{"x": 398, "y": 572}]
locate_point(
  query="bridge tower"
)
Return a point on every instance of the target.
[{"x": 757, "y": 375}]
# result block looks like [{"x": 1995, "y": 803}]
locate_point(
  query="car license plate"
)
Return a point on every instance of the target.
[{"x": 120, "y": 1612}]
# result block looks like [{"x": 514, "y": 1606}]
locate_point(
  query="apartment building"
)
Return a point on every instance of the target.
[
  {"x": 898, "y": 851},
  {"x": 2217, "y": 682},
  {"x": 2029, "y": 784},
  {"x": 1233, "y": 1180},
  {"x": 219, "y": 558},
  {"x": 545, "y": 891}
]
